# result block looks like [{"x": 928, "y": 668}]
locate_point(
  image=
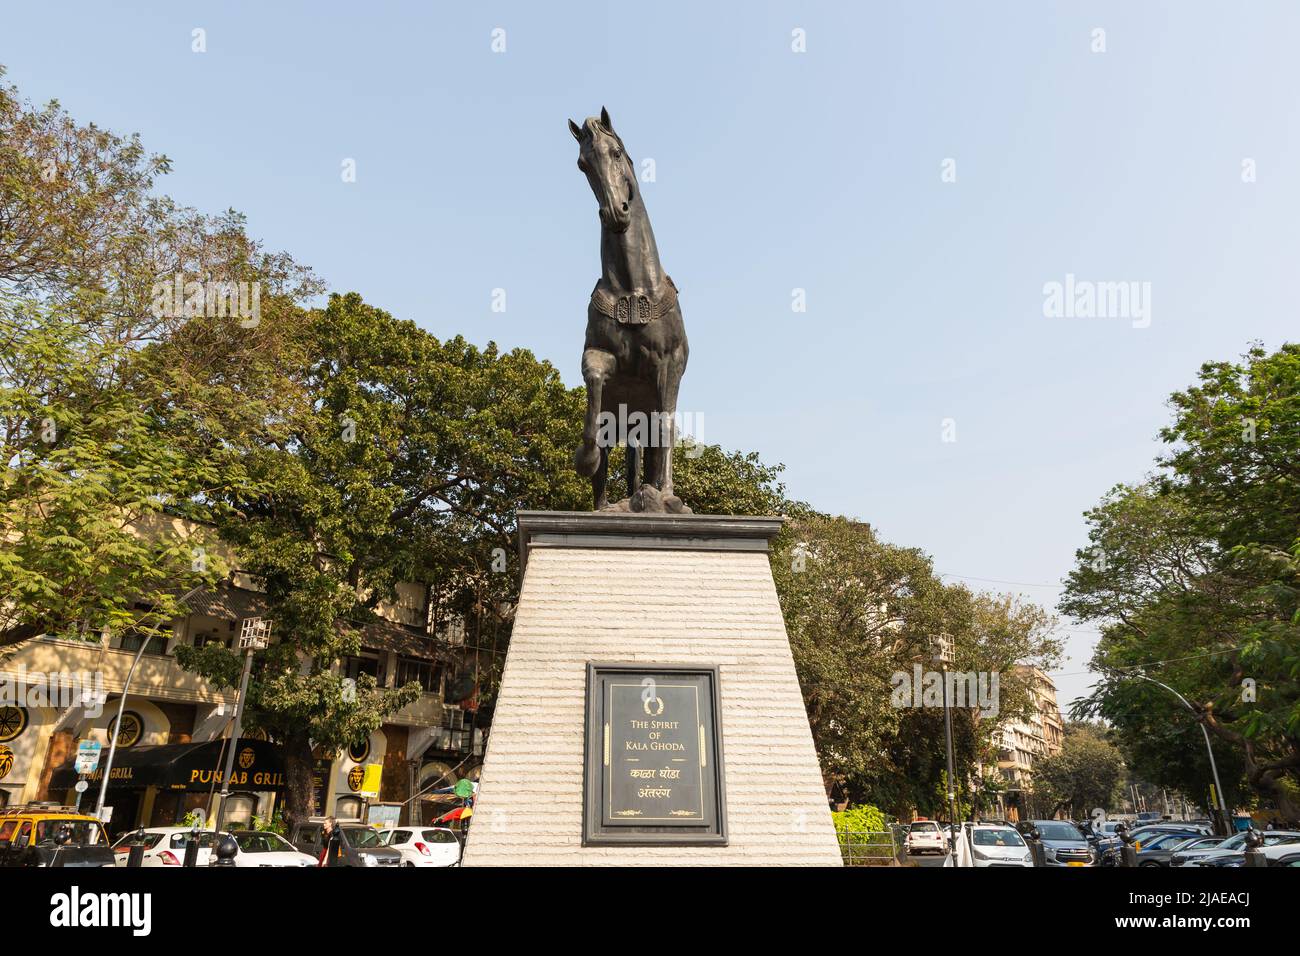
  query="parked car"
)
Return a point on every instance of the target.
[
  {"x": 1141, "y": 835},
  {"x": 1062, "y": 842},
  {"x": 997, "y": 845},
  {"x": 359, "y": 845},
  {"x": 1159, "y": 849},
  {"x": 424, "y": 846},
  {"x": 924, "y": 836},
  {"x": 263, "y": 849},
  {"x": 163, "y": 846},
  {"x": 45, "y": 834},
  {"x": 1232, "y": 846}
]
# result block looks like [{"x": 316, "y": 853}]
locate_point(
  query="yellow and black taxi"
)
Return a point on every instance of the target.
[{"x": 47, "y": 834}]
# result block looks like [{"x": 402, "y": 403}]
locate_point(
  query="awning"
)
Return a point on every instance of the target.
[
  {"x": 259, "y": 766},
  {"x": 228, "y": 603},
  {"x": 384, "y": 635}
]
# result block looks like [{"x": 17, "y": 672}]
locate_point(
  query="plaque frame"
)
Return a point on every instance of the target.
[{"x": 713, "y": 832}]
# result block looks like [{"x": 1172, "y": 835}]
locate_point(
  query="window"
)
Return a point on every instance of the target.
[
  {"x": 348, "y": 808},
  {"x": 179, "y": 841},
  {"x": 439, "y": 836},
  {"x": 204, "y": 638},
  {"x": 238, "y": 811},
  {"x": 362, "y": 837},
  {"x": 132, "y": 640},
  {"x": 128, "y": 840},
  {"x": 354, "y": 667},
  {"x": 425, "y": 673}
]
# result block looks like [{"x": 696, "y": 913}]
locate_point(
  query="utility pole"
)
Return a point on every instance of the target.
[
  {"x": 942, "y": 655},
  {"x": 254, "y": 635}
]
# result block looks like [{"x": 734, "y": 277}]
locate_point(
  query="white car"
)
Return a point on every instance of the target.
[
  {"x": 424, "y": 846},
  {"x": 263, "y": 848},
  {"x": 163, "y": 846},
  {"x": 1232, "y": 845},
  {"x": 995, "y": 845},
  {"x": 925, "y": 836}
]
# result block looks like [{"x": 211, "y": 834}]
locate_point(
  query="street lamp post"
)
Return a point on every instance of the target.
[
  {"x": 121, "y": 709},
  {"x": 1214, "y": 767},
  {"x": 942, "y": 654},
  {"x": 254, "y": 635}
]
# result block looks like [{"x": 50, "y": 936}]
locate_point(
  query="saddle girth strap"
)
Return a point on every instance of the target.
[{"x": 634, "y": 308}]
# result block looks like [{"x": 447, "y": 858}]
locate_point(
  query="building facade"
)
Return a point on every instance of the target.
[
  {"x": 1023, "y": 742},
  {"x": 57, "y": 691}
]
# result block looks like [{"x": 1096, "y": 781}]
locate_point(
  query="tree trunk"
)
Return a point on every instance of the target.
[{"x": 298, "y": 777}]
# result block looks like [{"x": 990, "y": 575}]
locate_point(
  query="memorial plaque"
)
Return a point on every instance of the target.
[{"x": 654, "y": 755}]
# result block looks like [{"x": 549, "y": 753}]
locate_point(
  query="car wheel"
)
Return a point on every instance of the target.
[
  {"x": 1148, "y": 863},
  {"x": 408, "y": 863}
]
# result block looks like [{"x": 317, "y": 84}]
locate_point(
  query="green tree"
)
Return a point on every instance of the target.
[
  {"x": 1195, "y": 579},
  {"x": 1085, "y": 774},
  {"x": 107, "y": 433},
  {"x": 88, "y": 476},
  {"x": 860, "y": 613},
  {"x": 407, "y": 462}
]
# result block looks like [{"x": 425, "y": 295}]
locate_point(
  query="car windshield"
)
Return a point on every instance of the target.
[
  {"x": 1164, "y": 841},
  {"x": 81, "y": 832},
  {"x": 180, "y": 841},
  {"x": 439, "y": 836},
  {"x": 262, "y": 842},
  {"x": 999, "y": 837},
  {"x": 148, "y": 840},
  {"x": 926, "y": 826},
  {"x": 1274, "y": 839},
  {"x": 1058, "y": 830},
  {"x": 361, "y": 837}
]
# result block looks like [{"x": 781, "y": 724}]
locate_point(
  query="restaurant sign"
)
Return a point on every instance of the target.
[{"x": 654, "y": 756}]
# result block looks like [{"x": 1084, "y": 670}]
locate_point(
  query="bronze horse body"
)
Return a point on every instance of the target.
[{"x": 635, "y": 350}]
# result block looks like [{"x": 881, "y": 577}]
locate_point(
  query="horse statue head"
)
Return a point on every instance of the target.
[{"x": 604, "y": 161}]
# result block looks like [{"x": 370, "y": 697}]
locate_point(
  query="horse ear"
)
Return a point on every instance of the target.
[
  {"x": 605, "y": 121},
  {"x": 577, "y": 133}
]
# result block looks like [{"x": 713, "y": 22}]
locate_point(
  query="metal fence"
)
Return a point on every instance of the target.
[{"x": 868, "y": 847}]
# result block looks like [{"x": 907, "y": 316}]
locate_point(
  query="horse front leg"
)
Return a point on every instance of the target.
[
  {"x": 597, "y": 367},
  {"x": 668, "y": 384}
]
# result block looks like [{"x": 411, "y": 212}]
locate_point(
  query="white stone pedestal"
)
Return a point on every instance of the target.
[{"x": 652, "y": 589}]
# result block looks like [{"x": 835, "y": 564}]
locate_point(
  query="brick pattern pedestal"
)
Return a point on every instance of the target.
[{"x": 687, "y": 589}]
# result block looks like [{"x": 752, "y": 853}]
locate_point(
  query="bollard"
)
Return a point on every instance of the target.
[
  {"x": 227, "y": 850},
  {"x": 192, "y": 848},
  {"x": 1036, "y": 847},
  {"x": 136, "y": 857},
  {"x": 1128, "y": 855},
  {"x": 1254, "y": 854}
]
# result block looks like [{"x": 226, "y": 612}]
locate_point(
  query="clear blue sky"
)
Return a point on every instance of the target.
[{"x": 775, "y": 170}]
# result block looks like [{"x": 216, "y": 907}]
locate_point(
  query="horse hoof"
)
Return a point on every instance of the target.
[{"x": 586, "y": 460}]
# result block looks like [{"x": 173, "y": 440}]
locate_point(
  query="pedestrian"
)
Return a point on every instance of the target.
[{"x": 331, "y": 843}]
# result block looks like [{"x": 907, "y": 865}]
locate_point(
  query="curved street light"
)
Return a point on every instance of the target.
[
  {"x": 1214, "y": 768},
  {"x": 121, "y": 707}
]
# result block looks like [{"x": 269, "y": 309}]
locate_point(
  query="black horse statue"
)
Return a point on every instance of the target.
[{"x": 636, "y": 350}]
